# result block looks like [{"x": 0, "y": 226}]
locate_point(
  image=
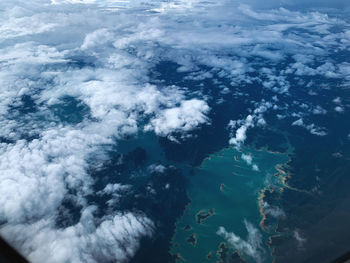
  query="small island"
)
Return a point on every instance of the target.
[
  {"x": 192, "y": 239},
  {"x": 204, "y": 215},
  {"x": 187, "y": 227}
]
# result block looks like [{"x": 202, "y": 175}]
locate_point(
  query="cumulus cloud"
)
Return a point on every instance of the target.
[
  {"x": 252, "y": 120},
  {"x": 339, "y": 109},
  {"x": 159, "y": 168},
  {"x": 113, "y": 188},
  {"x": 248, "y": 158},
  {"x": 312, "y": 128},
  {"x": 190, "y": 114},
  {"x": 115, "y": 191},
  {"x": 97, "y": 38},
  {"x": 337, "y": 100},
  {"x": 114, "y": 239},
  {"x": 339, "y": 105},
  {"x": 319, "y": 110},
  {"x": 240, "y": 135},
  {"x": 251, "y": 247}
]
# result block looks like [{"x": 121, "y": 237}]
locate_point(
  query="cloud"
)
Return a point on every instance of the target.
[
  {"x": 299, "y": 238},
  {"x": 312, "y": 128},
  {"x": 251, "y": 247},
  {"x": 112, "y": 239},
  {"x": 273, "y": 211},
  {"x": 240, "y": 135},
  {"x": 187, "y": 116},
  {"x": 339, "y": 105},
  {"x": 97, "y": 38},
  {"x": 249, "y": 160},
  {"x": 162, "y": 6},
  {"x": 252, "y": 120},
  {"x": 116, "y": 191},
  {"x": 296, "y": 3},
  {"x": 339, "y": 109},
  {"x": 319, "y": 110},
  {"x": 337, "y": 100},
  {"x": 159, "y": 168}
]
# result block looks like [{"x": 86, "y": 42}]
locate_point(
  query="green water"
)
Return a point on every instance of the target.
[{"x": 228, "y": 185}]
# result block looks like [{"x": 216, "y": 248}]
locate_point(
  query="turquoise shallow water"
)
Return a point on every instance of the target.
[{"x": 225, "y": 191}]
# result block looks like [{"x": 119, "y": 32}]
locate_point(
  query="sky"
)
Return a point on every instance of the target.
[{"x": 100, "y": 58}]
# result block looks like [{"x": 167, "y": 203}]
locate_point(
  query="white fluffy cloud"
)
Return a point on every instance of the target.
[
  {"x": 251, "y": 247},
  {"x": 190, "y": 114},
  {"x": 240, "y": 135},
  {"x": 248, "y": 158},
  {"x": 252, "y": 120},
  {"x": 114, "y": 239}
]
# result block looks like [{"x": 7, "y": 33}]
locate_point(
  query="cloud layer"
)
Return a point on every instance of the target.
[{"x": 76, "y": 76}]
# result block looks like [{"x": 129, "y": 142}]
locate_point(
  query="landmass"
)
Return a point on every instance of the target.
[
  {"x": 222, "y": 187},
  {"x": 210, "y": 255},
  {"x": 204, "y": 215},
  {"x": 223, "y": 252},
  {"x": 178, "y": 257},
  {"x": 192, "y": 239},
  {"x": 187, "y": 227}
]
